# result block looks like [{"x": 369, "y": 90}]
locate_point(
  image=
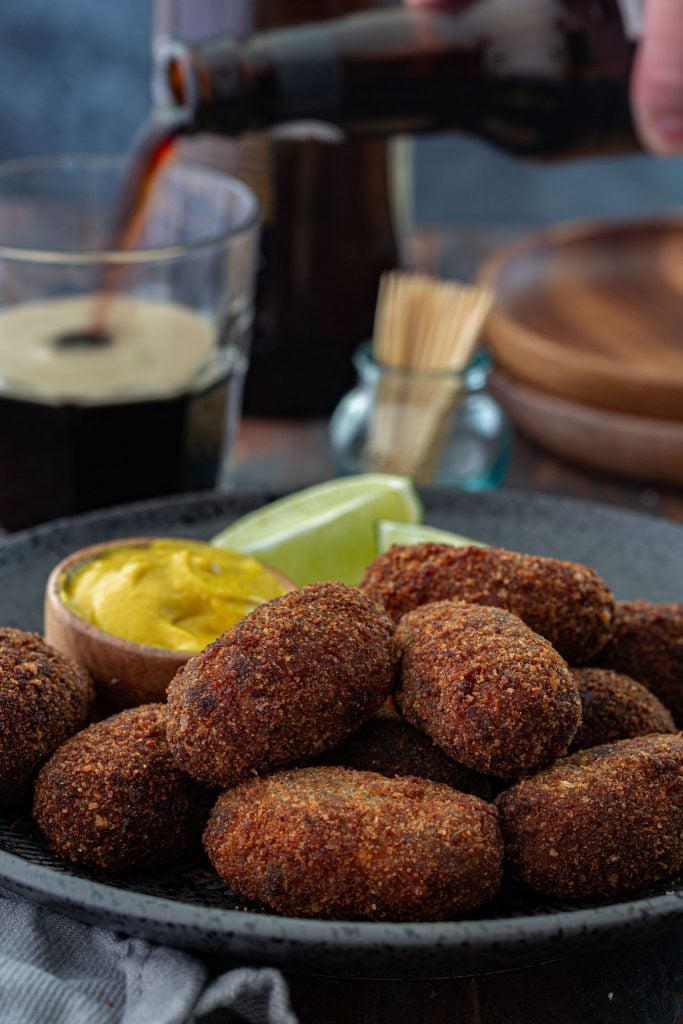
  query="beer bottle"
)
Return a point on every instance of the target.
[{"x": 540, "y": 78}]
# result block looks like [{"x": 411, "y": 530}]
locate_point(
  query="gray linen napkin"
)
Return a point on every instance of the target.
[{"x": 57, "y": 971}]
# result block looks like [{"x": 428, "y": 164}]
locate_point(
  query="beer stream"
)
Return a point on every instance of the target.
[{"x": 154, "y": 149}]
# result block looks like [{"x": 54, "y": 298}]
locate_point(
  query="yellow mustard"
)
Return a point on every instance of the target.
[{"x": 177, "y": 594}]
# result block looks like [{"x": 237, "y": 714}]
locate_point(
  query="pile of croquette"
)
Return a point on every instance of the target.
[{"x": 388, "y": 752}]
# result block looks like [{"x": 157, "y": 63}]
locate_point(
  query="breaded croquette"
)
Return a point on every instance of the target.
[
  {"x": 337, "y": 843},
  {"x": 493, "y": 694},
  {"x": 648, "y": 646},
  {"x": 45, "y": 697},
  {"x": 599, "y": 823},
  {"x": 390, "y": 746},
  {"x": 112, "y": 797},
  {"x": 291, "y": 680},
  {"x": 566, "y": 603},
  {"x": 616, "y": 707}
]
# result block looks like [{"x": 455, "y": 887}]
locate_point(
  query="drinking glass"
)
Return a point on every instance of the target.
[{"x": 121, "y": 371}]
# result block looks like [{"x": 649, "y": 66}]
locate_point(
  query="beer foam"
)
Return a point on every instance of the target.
[{"x": 157, "y": 350}]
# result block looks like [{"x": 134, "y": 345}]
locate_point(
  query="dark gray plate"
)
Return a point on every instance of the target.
[{"x": 190, "y": 907}]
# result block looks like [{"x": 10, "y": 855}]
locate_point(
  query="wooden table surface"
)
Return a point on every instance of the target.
[
  {"x": 287, "y": 454},
  {"x": 635, "y": 984},
  {"x": 632, "y": 984}
]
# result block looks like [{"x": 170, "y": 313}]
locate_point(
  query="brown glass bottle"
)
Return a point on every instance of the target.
[
  {"x": 327, "y": 233},
  {"x": 541, "y": 78}
]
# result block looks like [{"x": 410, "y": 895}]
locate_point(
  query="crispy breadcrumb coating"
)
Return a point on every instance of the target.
[
  {"x": 45, "y": 697},
  {"x": 337, "y": 843},
  {"x": 292, "y": 679},
  {"x": 495, "y": 695},
  {"x": 113, "y": 797},
  {"x": 648, "y": 646},
  {"x": 599, "y": 823},
  {"x": 391, "y": 746},
  {"x": 564, "y": 602},
  {"x": 616, "y": 707}
]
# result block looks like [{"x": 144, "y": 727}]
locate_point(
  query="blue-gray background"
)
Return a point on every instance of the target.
[{"x": 74, "y": 76}]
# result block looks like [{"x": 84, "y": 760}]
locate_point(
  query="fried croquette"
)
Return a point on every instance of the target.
[
  {"x": 291, "y": 680},
  {"x": 493, "y": 694},
  {"x": 337, "y": 843},
  {"x": 45, "y": 697},
  {"x": 599, "y": 823},
  {"x": 390, "y": 746},
  {"x": 616, "y": 707},
  {"x": 647, "y": 645},
  {"x": 566, "y": 603},
  {"x": 112, "y": 797}
]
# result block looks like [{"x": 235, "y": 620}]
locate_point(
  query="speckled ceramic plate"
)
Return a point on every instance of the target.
[{"x": 190, "y": 907}]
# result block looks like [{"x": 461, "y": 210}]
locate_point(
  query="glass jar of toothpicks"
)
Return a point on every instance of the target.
[{"x": 421, "y": 407}]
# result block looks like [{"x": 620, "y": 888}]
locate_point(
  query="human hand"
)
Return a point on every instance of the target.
[{"x": 657, "y": 81}]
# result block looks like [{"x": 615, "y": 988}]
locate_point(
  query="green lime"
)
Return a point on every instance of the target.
[
  {"x": 390, "y": 532},
  {"x": 326, "y": 532}
]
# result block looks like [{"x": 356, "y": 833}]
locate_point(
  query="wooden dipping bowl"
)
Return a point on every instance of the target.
[
  {"x": 126, "y": 673},
  {"x": 593, "y": 313}
]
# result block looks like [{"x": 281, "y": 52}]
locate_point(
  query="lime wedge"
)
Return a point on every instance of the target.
[
  {"x": 327, "y": 532},
  {"x": 390, "y": 532}
]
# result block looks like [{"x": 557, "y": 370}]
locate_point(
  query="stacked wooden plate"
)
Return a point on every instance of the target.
[{"x": 587, "y": 338}]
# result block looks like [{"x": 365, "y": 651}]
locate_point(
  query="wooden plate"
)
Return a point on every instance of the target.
[
  {"x": 594, "y": 313},
  {"x": 635, "y": 447}
]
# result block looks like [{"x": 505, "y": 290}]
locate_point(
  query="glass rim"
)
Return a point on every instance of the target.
[{"x": 20, "y": 254}]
